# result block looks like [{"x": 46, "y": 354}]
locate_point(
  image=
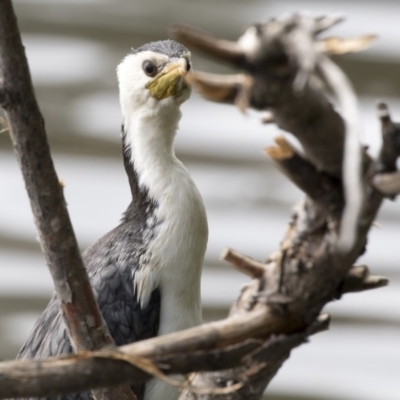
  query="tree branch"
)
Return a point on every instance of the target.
[
  {"x": 86, "y": 327},
  {"x": 309, "y": 270},
  {"x": 281, "y": 306},
  {"x": 214, "y": 346},
  {"x": 322, "y": 188}
]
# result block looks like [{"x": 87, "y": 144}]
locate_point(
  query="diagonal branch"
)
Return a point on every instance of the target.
[
  {"x": 82, "y": 316},
  {"x": 213, "y": 346}
]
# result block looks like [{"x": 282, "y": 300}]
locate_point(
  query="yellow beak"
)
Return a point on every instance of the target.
[{"x": 169, "y": 82}]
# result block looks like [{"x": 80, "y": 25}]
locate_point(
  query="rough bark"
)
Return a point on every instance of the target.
[
  {"x": 281, "y": 60},
  {"x": 85, "y": 324},
  {"x": 281, "y": 307}
]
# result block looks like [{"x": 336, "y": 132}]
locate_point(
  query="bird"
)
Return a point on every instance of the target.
[{"x": 146, "y": 272}]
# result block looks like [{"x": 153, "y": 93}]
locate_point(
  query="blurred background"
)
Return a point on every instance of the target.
[{"x": 73, "y": 48}]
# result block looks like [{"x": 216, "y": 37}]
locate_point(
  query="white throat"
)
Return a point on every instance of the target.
[{"x": 150, "y": 137}]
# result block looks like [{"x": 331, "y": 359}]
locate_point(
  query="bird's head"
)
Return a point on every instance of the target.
[{"x": 152, "y": 77}]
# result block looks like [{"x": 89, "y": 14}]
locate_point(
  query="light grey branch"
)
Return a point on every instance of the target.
[{"x": 352, "y": 160}]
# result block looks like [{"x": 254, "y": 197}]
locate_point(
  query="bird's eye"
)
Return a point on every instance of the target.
[{"x": 149, "y": 68}]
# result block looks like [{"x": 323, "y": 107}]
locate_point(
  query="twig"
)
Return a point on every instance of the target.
[
  {"x": 336, "y": 45},
  {"x": 247, "y": 265},
  {"x": 86, "y": 327}
]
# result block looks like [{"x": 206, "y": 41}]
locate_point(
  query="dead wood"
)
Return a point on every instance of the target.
[
  {"x": 281, "y": 306},
  {"x": 281, "y": 60},
  {"x": 82, "y": 316}
]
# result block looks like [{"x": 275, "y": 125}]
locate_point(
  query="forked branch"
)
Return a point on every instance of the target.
[{"x": 282, "y": 305}]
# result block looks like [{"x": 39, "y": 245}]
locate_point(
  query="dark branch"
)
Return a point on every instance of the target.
[
  {"x": 322, "y": 188},
  {"x": 309, "y": 270},
  {"x": 390, "y": 149}
]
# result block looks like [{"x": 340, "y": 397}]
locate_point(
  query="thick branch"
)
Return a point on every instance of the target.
[
  {"x": 322, "y": 188},
  {"x": 281, "y": 307},
  {"x": 203, "y": 348},
  {"x": 85, "y": 324},
  {"x": 309, "y": 270},
  {"x": 258, "y": 366},
  {"x": 76, "y": 373},
  {"x": 274, "y": 61}
]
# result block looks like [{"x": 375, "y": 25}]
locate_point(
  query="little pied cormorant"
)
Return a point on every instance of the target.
[{"x": 146, "y": 272}]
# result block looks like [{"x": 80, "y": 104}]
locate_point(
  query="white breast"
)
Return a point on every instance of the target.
[
  {"x": 178, "y": 252},
  {"x": 179, "y": 249},
  {"x": 175, "y": 255}
]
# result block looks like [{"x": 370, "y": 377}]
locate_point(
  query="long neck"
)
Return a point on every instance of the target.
[{"x": 148, "y": 152}]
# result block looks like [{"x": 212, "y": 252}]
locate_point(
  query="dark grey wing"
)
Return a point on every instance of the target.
[
  {"x": 41, "y": 341},
  {"x": 111, "y": 271}
]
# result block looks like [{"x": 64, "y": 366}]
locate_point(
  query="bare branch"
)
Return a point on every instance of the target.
[
  {"x": 203, "y": 41},
  {"x": 75, "y": 373},
  {"x": 281, "y": 306},
  {"x": 247, "y": 265},
  {"x": 310, "y": 269},
  {"x": 339, "y": 46},
  {"x": 319, "y": 186},
  {"x": 309, "y": 116},
  {"x": 326, "y": 22},
  {"x": 352, "y": 153},
  {"x": 231, "y": 89},
  {"x": 85, "y": 324}
]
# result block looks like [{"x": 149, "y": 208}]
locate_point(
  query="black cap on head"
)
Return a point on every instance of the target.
[{"x": 167, "y": 47}]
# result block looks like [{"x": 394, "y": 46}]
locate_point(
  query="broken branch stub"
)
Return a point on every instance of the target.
[{"x": 390, "y": 149}]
